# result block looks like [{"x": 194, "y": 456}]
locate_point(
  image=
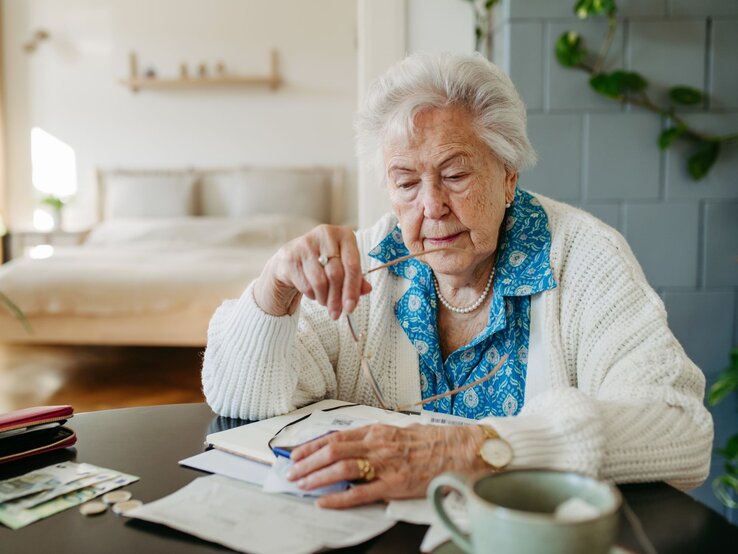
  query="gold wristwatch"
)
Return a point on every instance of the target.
[{"x": 495, "y": 450}]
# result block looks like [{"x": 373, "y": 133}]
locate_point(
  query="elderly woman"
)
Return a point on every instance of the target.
[{"x": 591, "y": 379}]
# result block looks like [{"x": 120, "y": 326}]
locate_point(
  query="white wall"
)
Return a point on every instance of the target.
[
  {"x": 440, "y": 26},
  {"x": 69, "y": 87}
]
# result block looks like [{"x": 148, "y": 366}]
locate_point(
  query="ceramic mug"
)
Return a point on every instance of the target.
[{"x": 513, "y": 512}]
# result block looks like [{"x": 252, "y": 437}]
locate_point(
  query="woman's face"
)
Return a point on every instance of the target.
[{"x": 448, "y": 189}]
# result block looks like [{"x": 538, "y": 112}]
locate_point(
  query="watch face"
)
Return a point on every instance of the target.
[{"x": 496, "y": 452}]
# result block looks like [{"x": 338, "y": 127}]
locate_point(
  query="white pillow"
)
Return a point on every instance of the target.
[
  {"x": 193, "y": 232},
  {"x": 149, "y": 195},
  {"x": 267, "y": 191}
]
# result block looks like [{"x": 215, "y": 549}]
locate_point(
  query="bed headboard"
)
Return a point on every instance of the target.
[{"x": 316, "y": 192}]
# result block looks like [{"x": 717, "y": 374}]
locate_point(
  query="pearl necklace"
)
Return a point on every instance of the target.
[{"x": 471, "y": 307}]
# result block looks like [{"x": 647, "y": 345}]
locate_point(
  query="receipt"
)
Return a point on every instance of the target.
[{"x": 242, "y": 517}]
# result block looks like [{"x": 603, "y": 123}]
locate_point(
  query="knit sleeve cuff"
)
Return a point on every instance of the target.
[
  {"x": 245, "y": 370},
  {"x": 560, "y": 431},
  {"x": 264, "y": 329}
]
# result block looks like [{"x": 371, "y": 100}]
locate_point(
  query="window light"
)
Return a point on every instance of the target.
[{"x": 53, "y": 165}]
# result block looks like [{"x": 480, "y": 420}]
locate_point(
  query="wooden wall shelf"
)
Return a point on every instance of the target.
[{"x": 136, "y": 82}]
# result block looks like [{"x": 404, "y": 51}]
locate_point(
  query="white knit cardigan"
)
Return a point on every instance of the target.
[{"x": 624, "y": 403}]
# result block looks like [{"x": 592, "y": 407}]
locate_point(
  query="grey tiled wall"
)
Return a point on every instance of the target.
[{"x": 602, "y": 156}]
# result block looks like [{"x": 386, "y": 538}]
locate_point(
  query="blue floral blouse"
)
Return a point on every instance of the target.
[{"x": 523, "y": 269}]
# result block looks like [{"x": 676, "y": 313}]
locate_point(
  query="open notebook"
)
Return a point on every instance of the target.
[{"x": 252, "y": 440}]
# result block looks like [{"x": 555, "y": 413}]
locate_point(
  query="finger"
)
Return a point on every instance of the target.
[
  {"x": 355, "y": 496},
  {"x": 352, "y": 279},
  {"x": 301, "y": 282},
  {"x": 334, "y": 273},
  {"x": 366, "y": 287},
  {"x": 343, "y": 470},
  {"x": 315, "y": 275},
  {"x": 330, "y": 246},
  {"x": 309, "y": 448},
  {"x": 327, "y": 455}
]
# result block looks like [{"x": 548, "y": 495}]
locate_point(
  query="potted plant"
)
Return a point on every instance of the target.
[{"x": 55, "y": 206}]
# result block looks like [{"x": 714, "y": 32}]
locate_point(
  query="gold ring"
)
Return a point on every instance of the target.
[
  {"x": 323, "y": 259},
  {"x": 366, "y": 469}
]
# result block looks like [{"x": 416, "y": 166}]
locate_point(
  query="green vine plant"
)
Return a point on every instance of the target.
[
  {"x": 725, "y": 487},
  {"x": 629, "y": 87},
  {"x": 482, "y": 24}
]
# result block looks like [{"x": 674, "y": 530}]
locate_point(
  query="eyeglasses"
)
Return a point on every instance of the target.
[{"x": 366, "y": 368}]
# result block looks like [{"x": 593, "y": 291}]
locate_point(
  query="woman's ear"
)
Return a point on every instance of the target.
[{"x": 511, "y": 181}]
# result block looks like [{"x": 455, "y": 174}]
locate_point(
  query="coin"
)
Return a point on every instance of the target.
[
  {"x": 121, "y": 508},
  {"x": 116, "y": 496},
  {"x": 92, "y": 508}
]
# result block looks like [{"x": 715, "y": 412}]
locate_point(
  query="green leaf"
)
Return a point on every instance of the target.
[
  {"x": 687, "y": 96},
  {"x": 733, "y": 359},
  {"x": 701, "y": 161},
  {"x": 489, "y": 3},
  {"x": 53, "y": 201},
  {"x": 668, "y": 136},
  {"x": 570, "y": 49},
  {"x": 605, "y": 85},
  {"x": 725, "y": 488},
  {"x": 618, "y": 83},
  {"x": 726, "y": 383},
  {"x": 730, "y": 451},
  {"x": 584, "y": 8},
  {"x": 629, "y": 81}
]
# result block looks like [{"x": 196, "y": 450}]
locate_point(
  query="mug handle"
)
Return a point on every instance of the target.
[{"x": 457, "y": 482}]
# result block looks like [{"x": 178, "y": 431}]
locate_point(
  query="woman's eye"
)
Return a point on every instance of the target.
[
  {"x": 455, "y": 177},
  {"x": 405, "y": 185}
]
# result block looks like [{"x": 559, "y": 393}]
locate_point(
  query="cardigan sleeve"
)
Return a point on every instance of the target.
[
  {"x": 633, "y": 409},
  {"x": 257, "y": 365}
]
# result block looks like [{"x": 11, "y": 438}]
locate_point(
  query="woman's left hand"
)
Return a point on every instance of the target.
[{"x": 405, "y": 460}]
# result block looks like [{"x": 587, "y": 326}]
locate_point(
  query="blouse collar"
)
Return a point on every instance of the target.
[{"x": 524, "y": 261}]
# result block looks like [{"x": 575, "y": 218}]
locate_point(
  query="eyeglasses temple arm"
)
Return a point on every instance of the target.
[
  {"x": 456, "y": 391},
  {"x": 411, "y": 256}
]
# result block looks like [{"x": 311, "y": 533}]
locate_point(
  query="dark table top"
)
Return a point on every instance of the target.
[{"x": 149, "y": 442}]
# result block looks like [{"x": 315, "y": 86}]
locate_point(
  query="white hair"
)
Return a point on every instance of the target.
[{"x": 423, "y": 81}]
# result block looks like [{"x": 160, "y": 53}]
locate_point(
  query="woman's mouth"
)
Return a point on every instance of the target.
[{"x": 442, "y": 241}]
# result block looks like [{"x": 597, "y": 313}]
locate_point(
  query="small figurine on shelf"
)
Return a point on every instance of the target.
[
  {"x": 202, "y": 71},
  {"x": 220, "y": 68},
  {"x": 150, "y": 73},
  {"x": 183, "y": 72}
]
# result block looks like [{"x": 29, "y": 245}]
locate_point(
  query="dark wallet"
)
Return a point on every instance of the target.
[{"x": 32, "y": 431}]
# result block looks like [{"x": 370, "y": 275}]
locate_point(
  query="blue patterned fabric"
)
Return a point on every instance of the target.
[{"x": 523, "y": 269}]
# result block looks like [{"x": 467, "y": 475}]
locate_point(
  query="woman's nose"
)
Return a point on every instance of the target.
[{"x": 435, "y": 202}]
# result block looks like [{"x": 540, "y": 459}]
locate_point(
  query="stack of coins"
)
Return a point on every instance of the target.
[
  {"x": 120, "y": 500},
  {"x": 116, "y": 496},
  {"x": 121, "y": 508},
  {"x": 93, "y": 508}
]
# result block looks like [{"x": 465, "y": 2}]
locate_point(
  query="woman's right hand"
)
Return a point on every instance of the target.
[{"x": 296, "y": 270}]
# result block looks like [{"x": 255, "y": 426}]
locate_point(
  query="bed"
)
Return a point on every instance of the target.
[{"x": 169, "y": 247}]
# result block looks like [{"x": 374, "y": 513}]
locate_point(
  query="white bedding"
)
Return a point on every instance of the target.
[{"x": 130, "y": 267}]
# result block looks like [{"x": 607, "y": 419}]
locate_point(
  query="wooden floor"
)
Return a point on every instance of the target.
[{"x": 97, "y": 377}]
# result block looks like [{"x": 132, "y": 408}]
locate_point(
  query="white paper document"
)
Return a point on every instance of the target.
[
  {"x": 242, "y": 517},
  {"x": 230, "y": 465}
]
